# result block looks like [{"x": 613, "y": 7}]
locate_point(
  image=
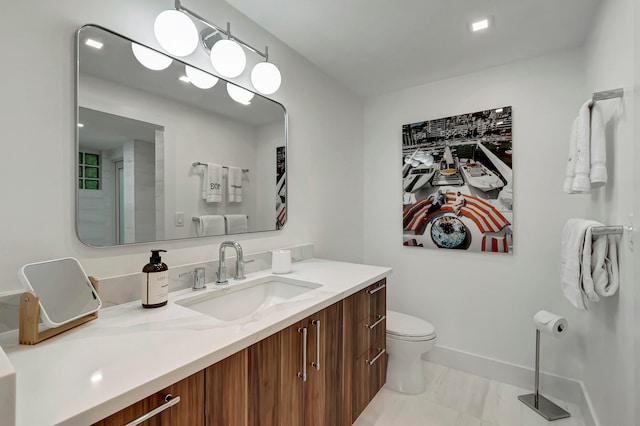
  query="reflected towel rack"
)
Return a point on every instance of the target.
[
  {"x": 608, "y": 94},
  {"x": 197, "y": 219},
  {"x": 197, "y": 163}
]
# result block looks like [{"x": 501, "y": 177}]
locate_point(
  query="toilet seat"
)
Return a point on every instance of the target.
[{"x": 408, "y": 328}]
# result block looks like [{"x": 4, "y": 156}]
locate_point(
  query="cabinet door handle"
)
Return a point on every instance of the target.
[
  {"x": 377, "y": 289},
  {"x": 303, "y": 374},
  {"x": 381, "y": 352},
  {"x": 169, "y": 402},
  {"x": 380, "y": 319},
  {"x": 316, "y": 363}
]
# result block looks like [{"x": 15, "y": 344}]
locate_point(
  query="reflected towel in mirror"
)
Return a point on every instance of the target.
[
  {"x": 210, "y": 225},
  {"x": 212, "y": 183},
  {"x": 236, "y": 223},
  {"x": 234, "y": 184}
]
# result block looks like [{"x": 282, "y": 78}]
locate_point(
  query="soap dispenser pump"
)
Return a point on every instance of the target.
[{"x": 155, "y": 282}]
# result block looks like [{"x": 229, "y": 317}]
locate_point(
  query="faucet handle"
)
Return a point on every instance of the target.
[
  {"x": 240, "y": 272},
  {"x": 198, "y": 278}
]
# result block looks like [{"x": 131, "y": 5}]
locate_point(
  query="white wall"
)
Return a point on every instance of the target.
[
  {"x": 37, "y": 166},
  {"x": 478, "y": 302},
  {"x": 608, "y": 347}
]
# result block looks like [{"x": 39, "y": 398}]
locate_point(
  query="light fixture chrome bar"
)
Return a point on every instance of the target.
[
  {"x": 227, "y": 33},
  {"x": 608, "y": 94}
]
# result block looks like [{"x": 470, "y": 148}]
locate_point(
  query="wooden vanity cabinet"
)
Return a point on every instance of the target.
[
  {"x": 341, "y": 349},
  {"x": 365, "y": 359},
  {"x": 188, "y": 411}
]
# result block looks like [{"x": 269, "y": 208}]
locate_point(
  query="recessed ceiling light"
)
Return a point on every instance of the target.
[
  {"x": 185, "y": 79},
  {"x": 80, "y": 125},
  {"x": 93, "y": 43},
  {"x": 480, "y": 25}
]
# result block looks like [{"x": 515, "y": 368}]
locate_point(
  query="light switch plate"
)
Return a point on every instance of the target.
[{"x": 179, "y": 218}]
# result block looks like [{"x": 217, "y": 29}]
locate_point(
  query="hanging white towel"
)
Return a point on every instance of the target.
[
  {"x": 236, "y": 223},
  {"x": 573, "y": 237},
  {"x": 212, "y": 183},
  {"x": 234, "y": 185},
  {"x": 582, "y": 133},
  {"x": 591, "y": 252},
  {"x": 605, "y": 267},
  {"x": 209, "y": 225},
  {"x": 598, "y": 172}
]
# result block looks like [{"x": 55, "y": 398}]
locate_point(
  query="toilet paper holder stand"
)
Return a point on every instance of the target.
[{"x": 536, "y": 401}]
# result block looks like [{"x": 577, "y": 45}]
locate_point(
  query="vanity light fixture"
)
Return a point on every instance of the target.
[
  {"x": 93, "y": 43},
  {"x": 227, "y": 55},
  {"x": 480, "y": 25},
  {"x": 176, "y": 33},
  {"x": 150, "y": 58},
  {"x": 238, "y": 94}
]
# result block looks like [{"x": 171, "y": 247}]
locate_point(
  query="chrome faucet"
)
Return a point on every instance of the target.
[{"x": 222, "y": 267}]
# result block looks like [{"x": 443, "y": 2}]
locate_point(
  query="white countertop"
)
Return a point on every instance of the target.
[{"x": 128, "y": 353}]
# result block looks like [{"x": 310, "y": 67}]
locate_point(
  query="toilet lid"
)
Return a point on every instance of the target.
[{"x": 403, "y": 325}]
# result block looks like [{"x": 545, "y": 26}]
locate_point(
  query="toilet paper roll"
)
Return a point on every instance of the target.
[
  {"x": 281, "y": 262},
  {"x": 550, "y": 323}
]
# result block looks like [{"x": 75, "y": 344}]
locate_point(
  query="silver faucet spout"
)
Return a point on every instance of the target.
[{"x": 222, "y": 267}]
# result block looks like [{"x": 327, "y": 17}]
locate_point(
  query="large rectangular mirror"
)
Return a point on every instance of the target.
[{"x": 159, "y": 158}]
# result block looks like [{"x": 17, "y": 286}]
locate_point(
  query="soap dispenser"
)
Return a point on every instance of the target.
[{"x": 155, "y": 282}]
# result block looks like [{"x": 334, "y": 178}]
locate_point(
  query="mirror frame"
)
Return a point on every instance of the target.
[{"x": 76, "y": 163}]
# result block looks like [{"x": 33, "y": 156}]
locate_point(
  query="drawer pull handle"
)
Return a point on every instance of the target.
[
  {"x": 316, "y": 363},
  {"x": 381, "y": 352},
  {"x": 377, "y": 289},
  {"x": 380, "y": 319},
  {"x": 303, "y": 374},
  {"x": 169, "y": 402}
]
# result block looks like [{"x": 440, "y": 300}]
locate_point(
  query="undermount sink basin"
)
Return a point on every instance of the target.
[{"x": 232, "y": 303}]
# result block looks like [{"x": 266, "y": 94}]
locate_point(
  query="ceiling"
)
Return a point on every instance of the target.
[{"x": 377, "y": 46}]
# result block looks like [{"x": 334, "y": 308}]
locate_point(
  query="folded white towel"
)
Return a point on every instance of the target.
[
  {"x": 212, "y": 183},
  {"x": 598, "y": 172},
  {"x": 209, "y": 225},
  {"x": 234, "y": 184},
  {"x": 236, "y": 223},
  {"x": 605, "y": 275},
  {"x": 573, "y": 237},
  {"x": 591, "y": 251}
]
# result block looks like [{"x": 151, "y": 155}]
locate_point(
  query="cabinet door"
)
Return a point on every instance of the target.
[
  {"x": 294, "y": 351},
  {"x": 226, "y": 391},
  {"x": 188, "y": 411},
  {"x": 323, "y": 389},
  {"x": 264, "y": 382}
]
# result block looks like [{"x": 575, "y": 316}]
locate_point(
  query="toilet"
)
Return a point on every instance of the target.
[{"x": 408, "y": 338}]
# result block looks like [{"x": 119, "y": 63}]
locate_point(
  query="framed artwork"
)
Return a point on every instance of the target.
[
  {"x": 281, "y": 187},
  {"x": 457, "y": 182}
]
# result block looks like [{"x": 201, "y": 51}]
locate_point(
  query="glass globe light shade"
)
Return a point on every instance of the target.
[
  {"x": 239, "y": 94},
  {"x": 150, "y": 58},
  {"x": 266, "y": 78},
  {"x": 199, "y": 78},
  {"x": 176, "y": 33},
  {"x": 228, "y": 58}
]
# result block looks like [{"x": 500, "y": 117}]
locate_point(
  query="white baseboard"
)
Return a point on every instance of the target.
[{"x": 516, "y": 375}]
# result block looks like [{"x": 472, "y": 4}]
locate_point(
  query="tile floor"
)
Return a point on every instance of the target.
[{"x": 456, "y": 398}]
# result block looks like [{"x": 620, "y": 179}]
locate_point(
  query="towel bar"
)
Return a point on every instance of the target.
[
  {"x": 197, "y": 163},
  {"x": 607, "y": 94},
  {"x": 607, "y": 230}
]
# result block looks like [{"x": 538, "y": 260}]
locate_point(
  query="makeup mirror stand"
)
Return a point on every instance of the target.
[{"x": 29, "y": 334}]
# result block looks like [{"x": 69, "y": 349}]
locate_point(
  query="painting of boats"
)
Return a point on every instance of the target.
[{"x": 457, "y": 182}]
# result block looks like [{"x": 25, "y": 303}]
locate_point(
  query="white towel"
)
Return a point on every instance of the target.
[
  {"x": 586, "y": 165},
  {"x": 581, "y": 134},
  {"x": 234, "y": 184},
  {"x": 236, "y": 223},
  {"x": 598, "y": 172},
  {"x": 212, "y": 183},
  {"x": 591, "y": 250},
  {"x": 209, "y": 225},
  {"x": 605, "y": 267},
  {"x": 573, "y": 237}
]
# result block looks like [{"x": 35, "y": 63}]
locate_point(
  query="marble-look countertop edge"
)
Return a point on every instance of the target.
[{"x": 338, "y": 279}]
